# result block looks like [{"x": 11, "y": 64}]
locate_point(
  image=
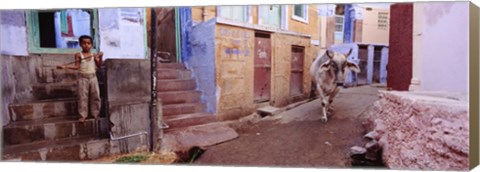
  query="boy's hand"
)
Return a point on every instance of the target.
[
  {"x": 60, "y": 67},
  {"x": 99, "y": 56}
]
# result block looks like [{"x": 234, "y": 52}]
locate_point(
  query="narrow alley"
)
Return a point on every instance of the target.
[{"x": 297, "y": 137}]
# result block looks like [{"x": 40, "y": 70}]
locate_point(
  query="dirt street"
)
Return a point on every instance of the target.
[{"x": 297, "y": 137}]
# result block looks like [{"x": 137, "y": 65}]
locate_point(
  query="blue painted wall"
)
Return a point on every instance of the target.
[
  {"x": 348, "y": 27},
  {"x": 201, "y": 61},
  {"x": 185, "y": 29}
]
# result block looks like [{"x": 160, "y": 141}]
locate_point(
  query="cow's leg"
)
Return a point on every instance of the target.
[
  {"x": 331, "y": 97},
  {"x": 325, "y": 102},
  {"x": 325, "y": 107}
]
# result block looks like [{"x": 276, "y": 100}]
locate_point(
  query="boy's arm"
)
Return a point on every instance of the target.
[
  {"x": 76, "y": 66},
  {"x": 98, "y": 59}
]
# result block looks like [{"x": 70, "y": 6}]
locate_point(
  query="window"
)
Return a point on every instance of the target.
[
  {"x": 234, "y": 13},
  {"x": 57, "y": 31},
  {"x": 383, "y": 20},
  {"x": 300, "y": 13},
  {"x": 339, "y": 21},
  {"x": 270, "y": 15}
]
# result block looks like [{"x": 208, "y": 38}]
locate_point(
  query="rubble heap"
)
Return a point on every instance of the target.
[{"x": 414, "y": 130}]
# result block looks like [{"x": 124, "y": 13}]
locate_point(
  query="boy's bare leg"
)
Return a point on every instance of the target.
[
  {"x": 94, "y": 97},
  {"x": 82, "y": 98}
]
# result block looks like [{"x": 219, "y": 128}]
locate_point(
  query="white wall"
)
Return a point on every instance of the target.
[
  {"x": 443, "y": 58},
  {"x": 13, "y": 33},
  {"x": 122, "y": 33}
]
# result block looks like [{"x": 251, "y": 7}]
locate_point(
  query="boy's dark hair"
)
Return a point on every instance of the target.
[{"x": 85, "y": 37}]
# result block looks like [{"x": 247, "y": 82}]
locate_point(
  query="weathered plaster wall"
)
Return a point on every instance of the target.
[
  {"x": 13, "y": 33},
  {"x": 358, "y": 30},
  {"x": 281, "y": 65},
  {"x": 311, "y": 28},
  {"x": 371, "y": 34},
  {"x": 234, "y": 71},
  {"x": 198, "y": 13},
  {"x": 122, "y": 33},
  {"x": 129, "y": 100},
  {"x": 134, "y": 84},
  {"x": 330, "y": 32},
  {"x": 444, "y": 40},
  {"x": 202, "y": 62}
]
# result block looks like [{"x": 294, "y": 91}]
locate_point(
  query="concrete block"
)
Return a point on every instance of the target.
[
  {"x": 179, "y": 121},
  {"x": 269, "y": 110},
  {"x": 202, "y": 135},
  {"x": 135, "y": 82},
  {"x": 127, "y": 119}
]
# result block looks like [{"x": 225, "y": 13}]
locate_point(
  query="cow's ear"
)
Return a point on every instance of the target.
[
  {"x": 354, "y": 67},
  {"x": 325, "y": 66},
  {"x": 330, "y": 54}
]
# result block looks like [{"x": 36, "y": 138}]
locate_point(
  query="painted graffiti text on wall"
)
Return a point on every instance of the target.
[{"x": 237, "y": 41}]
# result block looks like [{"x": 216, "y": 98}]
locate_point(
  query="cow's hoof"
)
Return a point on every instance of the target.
[{"x": 324, "y": 119}]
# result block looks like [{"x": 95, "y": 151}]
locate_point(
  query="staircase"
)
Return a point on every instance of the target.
[
  {"x": 47, "y": 128},
  {"x": 180, "y": 99},
  {"x": 184, "y": 113}
]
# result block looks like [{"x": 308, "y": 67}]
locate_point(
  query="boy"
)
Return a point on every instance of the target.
[{"x": 87, "y": 79}]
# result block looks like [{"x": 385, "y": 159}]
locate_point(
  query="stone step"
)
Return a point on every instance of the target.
[
  {"x": 22, "y": 132},
  {"x": 54, "y": 75},
  {"x": 186, "y": 108},
  {"x": 71, "y": 149},
  {"x": 176, "y": 85},
  {"x": 42, "y": 109},
  {"x": 183, "y": 139},
  {"x": 177, "y": 97},
  {"x": 170, "y": 66},
  {"x": 55, "y": 90},
  {"x": 187, "y": 120},
  {"x": 173, "y": 74}
]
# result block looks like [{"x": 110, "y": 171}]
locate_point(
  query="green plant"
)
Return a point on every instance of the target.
[{"x": 132, "y": 159}]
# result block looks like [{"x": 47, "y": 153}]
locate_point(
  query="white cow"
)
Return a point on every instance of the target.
[{"x": 328, "y": 72}]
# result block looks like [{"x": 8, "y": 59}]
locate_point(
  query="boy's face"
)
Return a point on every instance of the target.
[{"x": 86, "y": 44}]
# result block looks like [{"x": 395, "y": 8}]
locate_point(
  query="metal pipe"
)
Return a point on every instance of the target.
[{"x": 127, "y": 136}]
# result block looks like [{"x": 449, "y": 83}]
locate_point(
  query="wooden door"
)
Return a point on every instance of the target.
[
  {"x": 296, "y": 75},
  {"x": 262, "y": 67}
]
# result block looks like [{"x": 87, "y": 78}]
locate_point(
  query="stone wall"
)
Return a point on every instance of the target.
[
  {"x": 128, "y": 99},
  {"x": 421, "y": 130}
]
